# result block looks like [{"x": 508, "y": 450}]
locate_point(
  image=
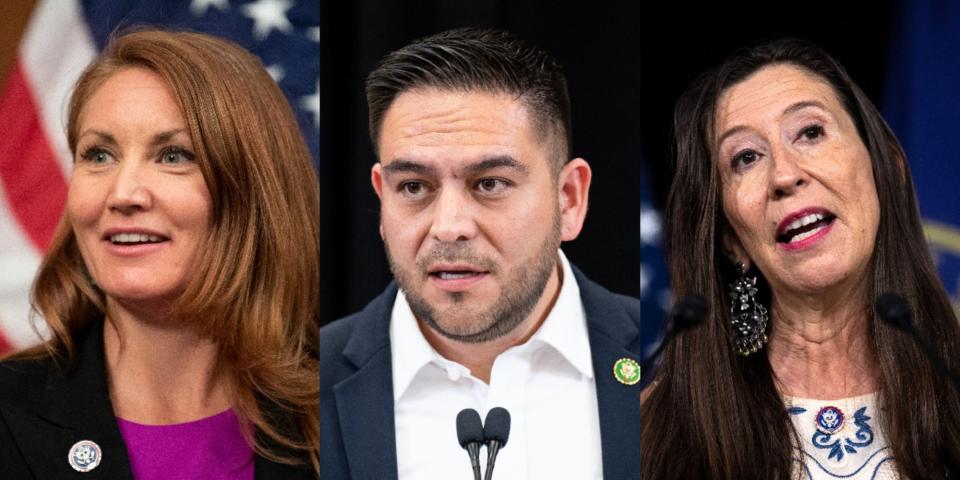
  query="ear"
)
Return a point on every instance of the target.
[
  {"x": 574, "y": 195},
  {"x": 376, "y": 179},
  {"x": 733, "y": 248}
]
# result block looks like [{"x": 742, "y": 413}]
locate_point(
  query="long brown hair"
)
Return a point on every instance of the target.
[
  {"x": 255, "y": 286},
  {"x": 721, "y": 412}
]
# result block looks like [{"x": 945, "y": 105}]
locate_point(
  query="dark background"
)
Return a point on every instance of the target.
[{"x": 598, "y": 48}]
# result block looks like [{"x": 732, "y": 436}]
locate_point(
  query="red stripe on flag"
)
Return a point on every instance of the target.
[
  {"x": 32, "y": 179},
  {"x": 4, "y": 345}
]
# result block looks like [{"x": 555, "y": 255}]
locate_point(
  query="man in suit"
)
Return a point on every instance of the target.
[{"x": 477, "y": 191}]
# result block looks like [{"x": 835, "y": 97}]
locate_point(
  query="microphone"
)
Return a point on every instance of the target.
[
  {"x": 896, "y": 312},
  {"x": 689, "y": 311},
  {"x": 496, "y": 431},
  {"x": 470, "y": 435}
]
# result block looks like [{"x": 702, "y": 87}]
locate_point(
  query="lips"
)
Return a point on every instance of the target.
[
  {"x": 803, "y": 224},
  {"x": 122, "y": 237},
  {"x": 456, "y": 277}
]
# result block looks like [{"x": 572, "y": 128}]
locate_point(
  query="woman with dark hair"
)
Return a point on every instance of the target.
[
  {"x": 792, "y": 209},
  {"x": 180, "y": 289}
]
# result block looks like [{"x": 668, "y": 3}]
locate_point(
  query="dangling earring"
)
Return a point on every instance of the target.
[{"x": 747, "y": 316}]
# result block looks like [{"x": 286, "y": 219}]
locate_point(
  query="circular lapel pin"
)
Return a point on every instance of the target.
[
  {"x": 84, "y": 456},
  {"x": 830, "y": 420},
  {"x": 626, "y": 371}
]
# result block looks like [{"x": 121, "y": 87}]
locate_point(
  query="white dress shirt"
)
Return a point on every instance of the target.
[{"x": 547, "y": 384}]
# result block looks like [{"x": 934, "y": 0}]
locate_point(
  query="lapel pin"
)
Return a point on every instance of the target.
[
  {"x": 626, "y": 371},
  {"x": 84, "y": 456}
]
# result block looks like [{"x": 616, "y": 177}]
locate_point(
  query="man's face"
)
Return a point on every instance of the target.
[{"x": 470, "y": 211}]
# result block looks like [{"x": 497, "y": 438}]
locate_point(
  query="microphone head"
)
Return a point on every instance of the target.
[
  {"x": 497, "y": 425},
  {"x": 894, "y": 310},
  {"x": 469, "y": 427},
  {"x": 688, "y": 312}
]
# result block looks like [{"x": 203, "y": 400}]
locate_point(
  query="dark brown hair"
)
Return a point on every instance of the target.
[
  {"x": 255, "y": 285},
  {"x": 722, "y": 412},
  {"x": 479, "y": 59}
]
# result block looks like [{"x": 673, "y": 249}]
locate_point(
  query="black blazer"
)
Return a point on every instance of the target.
[
  {"x": 45, "y": 409},
  {"x": 357, "y": 437}
]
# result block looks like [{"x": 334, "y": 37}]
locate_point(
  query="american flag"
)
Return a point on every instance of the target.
[{"x": 63, "y": 36}]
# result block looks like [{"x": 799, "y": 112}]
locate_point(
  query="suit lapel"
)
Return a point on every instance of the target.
[
  {"x": 613, "y": 335},
  {"x": 365, "y": 399},
  {"x": 76, "y": 402}
]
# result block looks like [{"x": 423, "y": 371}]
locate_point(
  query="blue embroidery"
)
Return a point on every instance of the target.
[
  {"x": 862, "y": 438},
  {"x": 806, "y": 467},
  {"x": 796, "y": 410}
]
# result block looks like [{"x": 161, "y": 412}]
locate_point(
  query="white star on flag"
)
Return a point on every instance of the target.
[
  {"x": 277, "y": 72},
  {"x": 311, "y": 103},
  {"x": 269, "y": 15},
  {"x": 649, "y": 225},
  {"x": 199, "y": 7}
]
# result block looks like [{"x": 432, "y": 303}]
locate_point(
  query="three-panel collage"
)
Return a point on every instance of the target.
[{"x": 484, "y": 239}]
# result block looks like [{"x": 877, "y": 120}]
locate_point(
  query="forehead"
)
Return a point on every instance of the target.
[
  {"x": 435, "y": 125},
  {"x": 132, "y": 91},
  {"x": 769, "y": 92}
]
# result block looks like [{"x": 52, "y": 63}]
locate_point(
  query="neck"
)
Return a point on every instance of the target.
[
  {"x": 479, "y": 357},
  {"x": 820, "y": 346},
  {"x": 160, "y": 372}
]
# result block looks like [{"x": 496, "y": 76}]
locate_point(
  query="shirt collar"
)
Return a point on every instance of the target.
[{"x": 564, "y": 329}]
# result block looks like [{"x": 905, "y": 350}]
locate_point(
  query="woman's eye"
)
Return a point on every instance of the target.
[
  {"x": 492, "y": 185},
  {"x": 812, "y": 132},
  {"x": 744, "y": 158},
  {"x": 175, "y": 156},
  {"x": 96, "y": 155}
]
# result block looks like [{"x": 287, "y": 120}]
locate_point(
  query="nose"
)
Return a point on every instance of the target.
[
  {"x": 129, "y": 192},
  {"x": 452, "y": 217},
  {"x": 787, "y": 175}
]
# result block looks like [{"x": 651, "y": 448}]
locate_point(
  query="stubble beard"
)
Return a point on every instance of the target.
[{"x": 519, "y": 293}]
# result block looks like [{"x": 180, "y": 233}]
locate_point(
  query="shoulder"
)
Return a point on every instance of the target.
[
  {"x": 22, "y": 381},
  {"x": 595, "y": 296}
]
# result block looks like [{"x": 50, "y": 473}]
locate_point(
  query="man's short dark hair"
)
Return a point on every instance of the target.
[{"x": 480, "y": 59}]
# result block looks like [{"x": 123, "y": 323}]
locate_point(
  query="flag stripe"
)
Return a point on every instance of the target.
[{"x": 32, "y": 180}]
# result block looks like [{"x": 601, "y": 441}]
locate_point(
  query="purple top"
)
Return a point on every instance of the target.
[{"x": 211, "y": 448}]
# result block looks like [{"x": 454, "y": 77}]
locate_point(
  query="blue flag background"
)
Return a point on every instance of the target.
[{"x": 922, "y": 105}]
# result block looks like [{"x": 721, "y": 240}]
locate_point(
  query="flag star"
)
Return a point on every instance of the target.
[
  {"x": 199, "y": 7},
  {"x": 649, "y": 225},
  {"x": 311, "y": 103},
  {"x": 313, "y": 33},
  {"x": 277, "y": 72},
  {"x": 645, "y": 278},
  {"x": 269, "y": 15}
]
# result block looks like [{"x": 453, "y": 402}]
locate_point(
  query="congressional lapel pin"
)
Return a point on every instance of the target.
[
  {"x": 626, "y": 371},
  {"x": 84, "y": 456},
  {"x": 830, "y": 420}
]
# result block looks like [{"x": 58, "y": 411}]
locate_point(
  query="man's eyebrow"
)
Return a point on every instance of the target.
[
  {"x": 496, "y": 162},
  {"x": 402, "y": 165}
]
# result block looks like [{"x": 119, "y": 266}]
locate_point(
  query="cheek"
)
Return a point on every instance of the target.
[
  {"x": 403, "y": 231},
  {"x": 84, "y": 203}
]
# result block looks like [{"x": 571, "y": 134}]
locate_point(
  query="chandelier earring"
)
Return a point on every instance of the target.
[{"x": 748, "y": 317}]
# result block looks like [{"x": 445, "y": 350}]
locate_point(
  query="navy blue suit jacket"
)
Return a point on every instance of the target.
[{"x": 357, "y": 437}]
